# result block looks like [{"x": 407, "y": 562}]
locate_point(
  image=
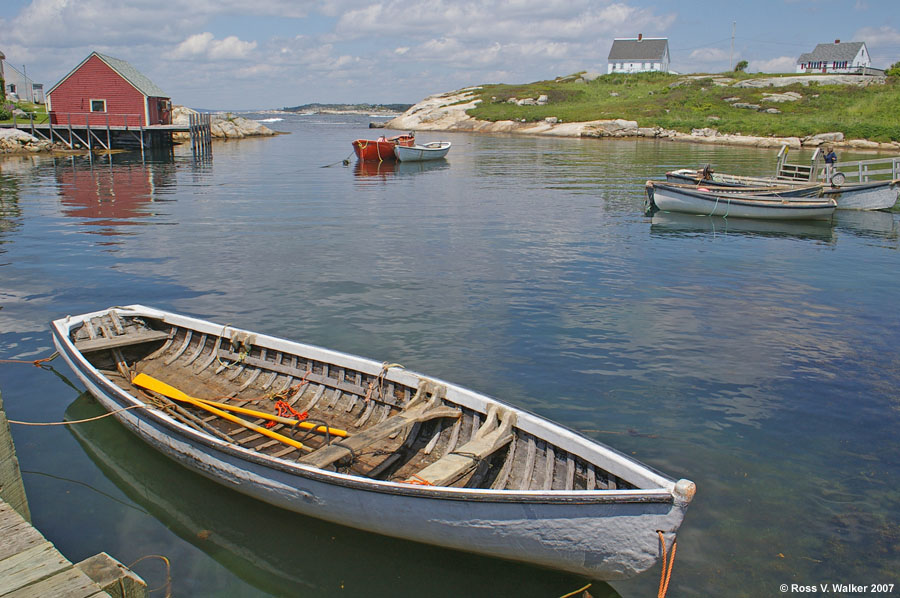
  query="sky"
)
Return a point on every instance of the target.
[{"x": 264, "y": 54}]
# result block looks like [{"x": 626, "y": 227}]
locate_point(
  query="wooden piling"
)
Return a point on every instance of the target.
[{"x": 12, "y": 491}]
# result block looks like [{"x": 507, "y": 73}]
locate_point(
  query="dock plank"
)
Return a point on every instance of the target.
[
  {"x": 29, "y": 566},
  {"x": 71, "y": 583}
]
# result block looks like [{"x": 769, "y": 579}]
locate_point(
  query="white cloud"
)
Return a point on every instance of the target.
[
  {"x": 782, "y": 64},
  {"x": 205, "y": 46},
  {"x": 707, "y": 55},
  {"x": 878, "y": 36}
]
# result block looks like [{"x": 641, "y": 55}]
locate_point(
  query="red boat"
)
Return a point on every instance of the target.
[{"x": 382, "y": 148}]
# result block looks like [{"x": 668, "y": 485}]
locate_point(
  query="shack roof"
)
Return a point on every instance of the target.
[
  {"x": 125, "y": 70},
  {"x": 838, "y": 52},
  {"x": 646, "y": 48}
]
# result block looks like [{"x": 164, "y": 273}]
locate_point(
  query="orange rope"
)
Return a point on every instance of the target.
[
  {"x": 417, "y": 482},
  {"x": 667, "y": 566},
  {"x": 36, "y": 363}
]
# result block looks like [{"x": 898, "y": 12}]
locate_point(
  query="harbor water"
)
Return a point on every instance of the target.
[{"x": 759, "y": 360}]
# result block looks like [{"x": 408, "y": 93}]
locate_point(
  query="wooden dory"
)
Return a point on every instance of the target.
[
  {"x": 421, "y": 153},
  {"x": 420, "y": 459},
  {"x": 689, "y": 199},
  {"x": 378, "y": 150},
  {"x": 874, "y": 195}
]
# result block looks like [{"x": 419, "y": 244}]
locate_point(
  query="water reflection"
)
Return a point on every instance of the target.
[
  {"x": 387, "y": 169},
  {"x": 286, "y": 554},
  {"x": 111, "y": 195},
  {"x": 10, "y": 212},
  {"x": 673, "y": 223}
]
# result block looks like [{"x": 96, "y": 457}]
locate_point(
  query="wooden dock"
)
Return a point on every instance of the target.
[
  {"x": 30, "y": 565},
  {"x": 119, "y": 131}
]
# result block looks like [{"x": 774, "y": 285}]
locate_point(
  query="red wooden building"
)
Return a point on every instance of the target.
[{"x": 106, "y": 91}]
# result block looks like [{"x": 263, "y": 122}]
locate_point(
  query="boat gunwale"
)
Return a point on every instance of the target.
[{"x": 662, "y": 492}]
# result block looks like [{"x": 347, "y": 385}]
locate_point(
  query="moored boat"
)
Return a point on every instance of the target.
[
  {"x": 377, "y": 150},
  {"x": 872, "y": 195},
  {"x": 371, "y": 445},
  {"x": 689, "y": 199},
  {"x": 420, "y": 153}
]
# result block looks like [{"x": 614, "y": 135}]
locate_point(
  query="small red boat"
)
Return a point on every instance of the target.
[{"x": 381, "y": 149}]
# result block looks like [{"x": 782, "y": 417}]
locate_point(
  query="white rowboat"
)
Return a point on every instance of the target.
[
  {"x": 419, "y": 153},
  {"x": 874, "y": 195},
  {"x": 670, "y": 197},
  {"x": 419, "y": 458}
]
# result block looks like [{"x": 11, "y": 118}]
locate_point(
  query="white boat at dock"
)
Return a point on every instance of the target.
[
  {"x": 371, "y": 445},
  {"x": 713, "y": 201}
]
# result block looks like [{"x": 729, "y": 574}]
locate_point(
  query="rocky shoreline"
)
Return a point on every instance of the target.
[{"x": 447, "y": 112}]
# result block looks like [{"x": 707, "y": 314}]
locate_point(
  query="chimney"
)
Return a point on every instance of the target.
[
  {"x": 641, "y": 36},
  {"x": 837, "y": 41}
]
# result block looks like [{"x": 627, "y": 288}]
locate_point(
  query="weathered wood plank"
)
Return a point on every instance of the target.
[
  {"x": 71, "y": 583},
  {"x": 327, "y": 455},
  {"x": 132, "y": 338},
  {"x": 16, "y": 533},
  {"x": 30, "y": 565}
]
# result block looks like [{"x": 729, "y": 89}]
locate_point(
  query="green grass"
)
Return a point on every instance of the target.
[
  {"x": 39, "y": 111},
  {"x": 676, "y": 102}
]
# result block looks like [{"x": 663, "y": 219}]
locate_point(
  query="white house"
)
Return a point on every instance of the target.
[
  {"x": 848, "y": 57},
  {"x": 638, "y": 55}
]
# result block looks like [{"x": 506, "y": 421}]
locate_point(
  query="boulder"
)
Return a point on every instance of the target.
[
  {"x": 789, "y": 96},
  {"x": 747, "y": 106},
  {"x": 821, "y": 138},
  {"x": 704, "y": 132},
  {"x": 542, "y": 100},
  {"x": 610, "y": 128},
  {"x": 588, "y": 77}
]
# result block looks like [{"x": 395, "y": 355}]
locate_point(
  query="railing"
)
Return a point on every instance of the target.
[
  {"x": 96, "y": 119},
  {"x": 861, "y": 171}
]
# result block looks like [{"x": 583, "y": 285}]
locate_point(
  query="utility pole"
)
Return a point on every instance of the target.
[{"x": 731, "y": 58}]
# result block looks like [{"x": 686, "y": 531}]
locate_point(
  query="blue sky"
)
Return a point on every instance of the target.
[{"x": 254, "y": 54}]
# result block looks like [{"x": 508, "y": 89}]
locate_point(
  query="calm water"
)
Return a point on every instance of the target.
[{"x": 758, "y": 360}]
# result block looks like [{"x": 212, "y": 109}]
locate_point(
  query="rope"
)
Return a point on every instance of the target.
[
  {"x": 36, "y": 363},
  {"x": 578, "y": 591},
  {"x": 78, "y": 421},
  {"x": 345, "y": 161},
  {"x": 416, "y": 482},
  {"x": 385, "y": 366},
  {"x": 168, "y": 584},
  {"x": 666, "y": 574}
]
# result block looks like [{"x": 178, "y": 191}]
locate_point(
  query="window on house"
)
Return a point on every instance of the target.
[{"x": 98, "y": 105}]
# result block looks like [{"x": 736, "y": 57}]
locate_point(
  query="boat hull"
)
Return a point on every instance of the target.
[
  {"x": 709, "y": 203},
  {"x": 605, "y": 535},
  {"x": 381, "y": 149},
  {"x": 422, "y": 153},
  {"x": 877, "y": 195}
]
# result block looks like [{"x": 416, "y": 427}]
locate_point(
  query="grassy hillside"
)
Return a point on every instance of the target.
[{"x": 684, "y": 103}]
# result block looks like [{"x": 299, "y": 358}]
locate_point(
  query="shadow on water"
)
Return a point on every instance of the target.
[
  {"x": 286, "y": 554},
  {"x": 392, "y": 168}
]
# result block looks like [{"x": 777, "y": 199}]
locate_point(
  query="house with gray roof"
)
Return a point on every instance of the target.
[
  {"x": 638, "y": 55},
  {"x": 839, "y": 57},
  {"x": 103, "y": 90}
]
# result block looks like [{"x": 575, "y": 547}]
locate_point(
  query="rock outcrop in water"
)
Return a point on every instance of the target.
[{"x": 222, "y": 126}]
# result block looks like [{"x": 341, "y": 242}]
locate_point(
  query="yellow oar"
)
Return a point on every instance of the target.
[
  {"x": 276, "y": 418},
  {"x": 151, "y": 383}
]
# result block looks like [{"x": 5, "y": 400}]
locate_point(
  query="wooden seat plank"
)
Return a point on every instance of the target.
[
  {"x": 132, "y": 338},
  {"x": 423, "y": 411},
  {"x": 494, "y": 434}
]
